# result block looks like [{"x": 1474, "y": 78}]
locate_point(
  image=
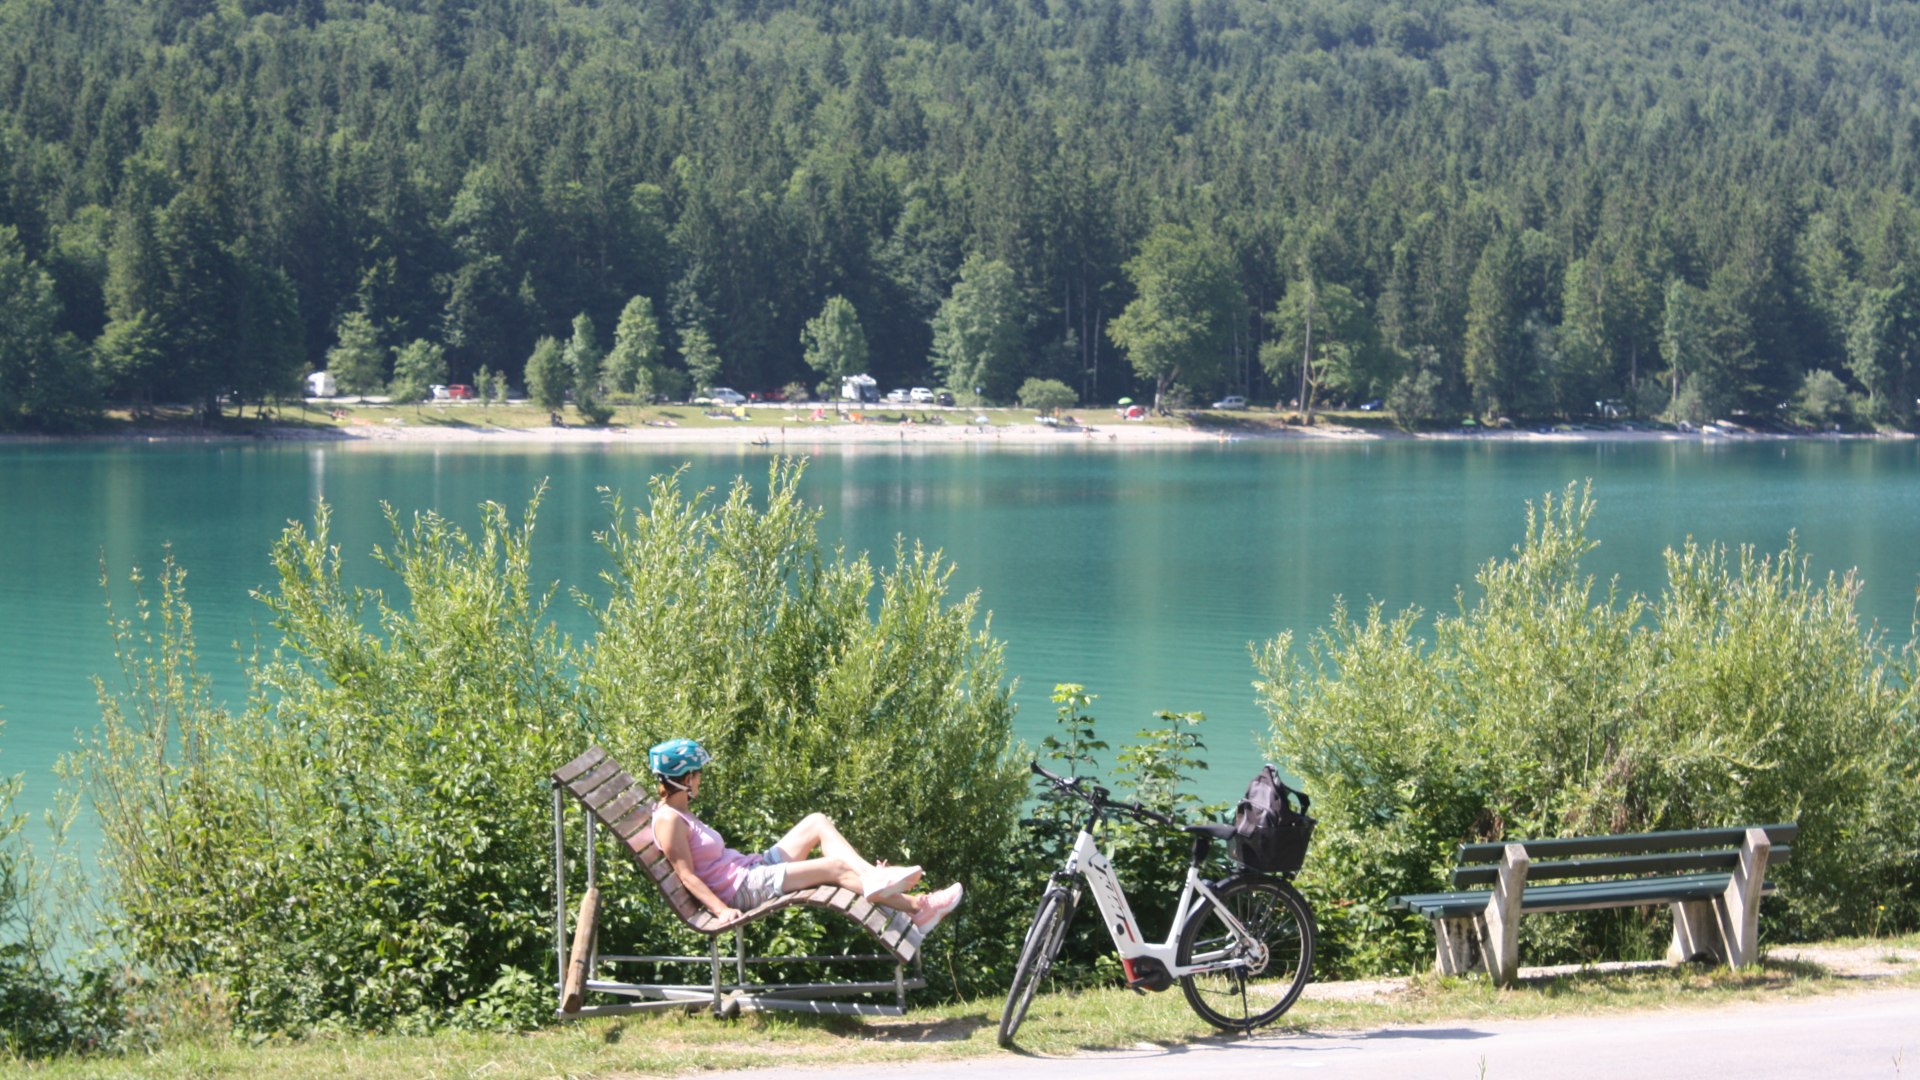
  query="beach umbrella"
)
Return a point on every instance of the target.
[{"x": 1124, "y": 401}]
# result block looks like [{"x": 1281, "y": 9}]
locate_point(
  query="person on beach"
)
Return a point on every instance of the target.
[{"x": 728, "y": 882}]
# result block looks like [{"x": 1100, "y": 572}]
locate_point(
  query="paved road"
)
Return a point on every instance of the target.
[{"x": 1871, "y": 1034}]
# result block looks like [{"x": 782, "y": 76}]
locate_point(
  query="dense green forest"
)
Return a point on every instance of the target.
[{"x": 1501, "y": 208}]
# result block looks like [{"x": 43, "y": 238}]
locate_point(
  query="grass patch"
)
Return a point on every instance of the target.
[{"x": 679, "y": 1042}]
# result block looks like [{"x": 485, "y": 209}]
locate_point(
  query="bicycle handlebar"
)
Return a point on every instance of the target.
[{"x": 1100, "y": 798}]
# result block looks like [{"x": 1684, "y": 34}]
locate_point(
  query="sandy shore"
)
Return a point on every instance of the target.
[
  {"x": 801, "y": 434},
  {"x": 804, "y": 435}
]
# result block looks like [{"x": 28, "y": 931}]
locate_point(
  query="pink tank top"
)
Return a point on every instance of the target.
[{"x": 721, "y": 867}]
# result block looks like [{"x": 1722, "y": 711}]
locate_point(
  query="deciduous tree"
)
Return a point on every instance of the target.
[
  {"x": 978, "y": 331},
  {"x": 1179, "y": 327},
  {"x": 547, "y": 376},
  {"x": 357, "y": 361},
  {"x": 636, "y": 349},
  {"x": 835, "y": 344}
]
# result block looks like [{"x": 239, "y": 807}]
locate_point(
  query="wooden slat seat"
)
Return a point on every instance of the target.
[
  {"x": 1712, "y": 878},
  {"x": 618, "y": 802},
  {"x": 1580, "y": 896}
]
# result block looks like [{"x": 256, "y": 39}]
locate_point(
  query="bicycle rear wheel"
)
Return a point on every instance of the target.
[
  {"x": 1276, "y": 964},
  {"x": 1044, "y": 937}
]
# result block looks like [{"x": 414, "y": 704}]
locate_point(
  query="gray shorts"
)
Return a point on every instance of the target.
[{"x": 766, "y": 879}]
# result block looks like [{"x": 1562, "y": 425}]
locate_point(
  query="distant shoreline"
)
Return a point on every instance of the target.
[{"x": 806, "y": 434}]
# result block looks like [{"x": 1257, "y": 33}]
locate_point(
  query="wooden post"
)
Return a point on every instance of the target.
[
  {"x": 1453, "y": 945},
  {"x": 582, "y": 956},
  {"x": 1501, "y": 946},
  {"x": 1739, "y": 906}
]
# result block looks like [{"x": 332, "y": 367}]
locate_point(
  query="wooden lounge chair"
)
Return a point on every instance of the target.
[{"x": 612, "y": 799}]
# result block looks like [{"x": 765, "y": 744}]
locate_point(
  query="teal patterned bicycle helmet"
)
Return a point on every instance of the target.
[{"x": 676, "y": 758}]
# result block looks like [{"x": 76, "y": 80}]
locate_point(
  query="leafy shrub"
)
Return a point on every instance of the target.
[
  {"x": 359, "y": 844},
  {"x": 1746, "y": 692},
  {"x": 36, "y": 1015},
  {"x": 1046, "y": 395},
  {"x": 727, "y": 623},
  {"x": 366, "y": 843}
]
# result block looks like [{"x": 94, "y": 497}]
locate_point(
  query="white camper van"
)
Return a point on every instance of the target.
[
  {"x": 860, "y": 388},
  {"x": 320, "y": 384}
]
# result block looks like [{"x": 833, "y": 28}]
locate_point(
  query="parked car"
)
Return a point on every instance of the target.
[
  {"x": 436, "y": 392},
  {"x": 767, "y": 395},
  {"x": 943, "y": 397},
  {"x": 899, "y": 396},
  {"x": 460, "y": 392},
  {"x": 1371, "y": 406},
  {"x": 920, "y": 395},
  {"x": 1231, "y": 401},
  {"x": 723, "y": 395}
]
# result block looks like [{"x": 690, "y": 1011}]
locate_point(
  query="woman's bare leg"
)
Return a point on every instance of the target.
[
  {"x": 806, "y": 873},
  {"x": 817, "y": 832}
]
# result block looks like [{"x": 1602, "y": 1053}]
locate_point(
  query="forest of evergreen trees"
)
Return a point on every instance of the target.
[{"x": 1503, "y": 207}]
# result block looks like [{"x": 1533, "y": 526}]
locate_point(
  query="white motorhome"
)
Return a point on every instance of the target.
[
  {"x": 320, "y": 384},
  {"x": 860, "y": 388}
]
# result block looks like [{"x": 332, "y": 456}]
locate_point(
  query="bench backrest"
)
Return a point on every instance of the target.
[
  {"x": 1683, "y": 851},
  {"x": 625, "y": 807}
]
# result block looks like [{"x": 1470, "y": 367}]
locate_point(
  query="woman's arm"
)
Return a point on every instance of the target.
[{"x": 670, "y": 832}]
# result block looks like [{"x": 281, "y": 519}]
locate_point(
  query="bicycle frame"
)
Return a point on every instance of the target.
[{"x": 1087, "y": 861}]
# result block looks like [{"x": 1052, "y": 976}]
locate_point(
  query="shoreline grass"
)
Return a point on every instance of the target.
[{"x": 676, "y": 1042}]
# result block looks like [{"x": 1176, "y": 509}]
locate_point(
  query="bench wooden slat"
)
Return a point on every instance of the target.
[
  {"x": 566, "y": 774},
  {"x": 634, "y": 797},
  {"x": 1665, "y": 863},
  {"x": 633, "y": 823},
  {"x": 1579, "y": 896},
  {"x": 602, "y": 784},
  {"x": 1635, "y": 843}
]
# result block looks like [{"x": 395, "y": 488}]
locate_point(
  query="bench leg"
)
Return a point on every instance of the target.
[
  {"x": 1739, "y": 906},
  {"x": 1501, "y": 947},
  {"x": 1696, "y": 932},
  {"x": 580, "y": 963},
  {"x": 1453, "y": 946}
]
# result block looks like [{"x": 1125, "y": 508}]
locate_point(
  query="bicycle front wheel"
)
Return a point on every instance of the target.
[
  {"x": 1044, "y": 937},
  {"x": 1271, "y": 969}
]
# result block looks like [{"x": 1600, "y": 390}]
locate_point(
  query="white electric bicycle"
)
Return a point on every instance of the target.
[{"x": 1241, "y": 947}]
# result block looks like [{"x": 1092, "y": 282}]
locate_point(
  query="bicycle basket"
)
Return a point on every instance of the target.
[{"x": 1271, "y": 828}]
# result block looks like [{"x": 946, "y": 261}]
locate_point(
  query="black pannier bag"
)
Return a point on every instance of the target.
[{"x": 1271, "y": 827}]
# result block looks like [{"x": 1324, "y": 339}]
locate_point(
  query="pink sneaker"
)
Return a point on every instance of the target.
[
  {"x": 887, "y": 881},
  {"x": 937, "y": 906}
]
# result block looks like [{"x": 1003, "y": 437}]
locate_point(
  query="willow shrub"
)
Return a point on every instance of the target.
[
  {"x": 1746, "y": 692},
  {"x": 819, "y": 683},
  {"x": 366, "y": 843}
]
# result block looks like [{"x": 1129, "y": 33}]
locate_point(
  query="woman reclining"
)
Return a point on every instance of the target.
[{"x": 728, "y": 882}]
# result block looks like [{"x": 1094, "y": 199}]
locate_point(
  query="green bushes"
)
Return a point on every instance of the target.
[
  {"x": 366, "y": 842},
  {"x": 728, "y": 624},
  {"x": 1747, "y": 691}
]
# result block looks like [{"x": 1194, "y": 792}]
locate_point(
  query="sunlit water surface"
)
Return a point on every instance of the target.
[{"x": 1145, "y": 575}]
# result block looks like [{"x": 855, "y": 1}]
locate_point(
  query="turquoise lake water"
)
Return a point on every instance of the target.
[{"x": 1145, "y": 575}]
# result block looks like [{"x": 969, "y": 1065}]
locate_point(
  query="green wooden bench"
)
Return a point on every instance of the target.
[
  {"x": 611, "y": 799},
  {"x": 1712, "y": 878}
]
